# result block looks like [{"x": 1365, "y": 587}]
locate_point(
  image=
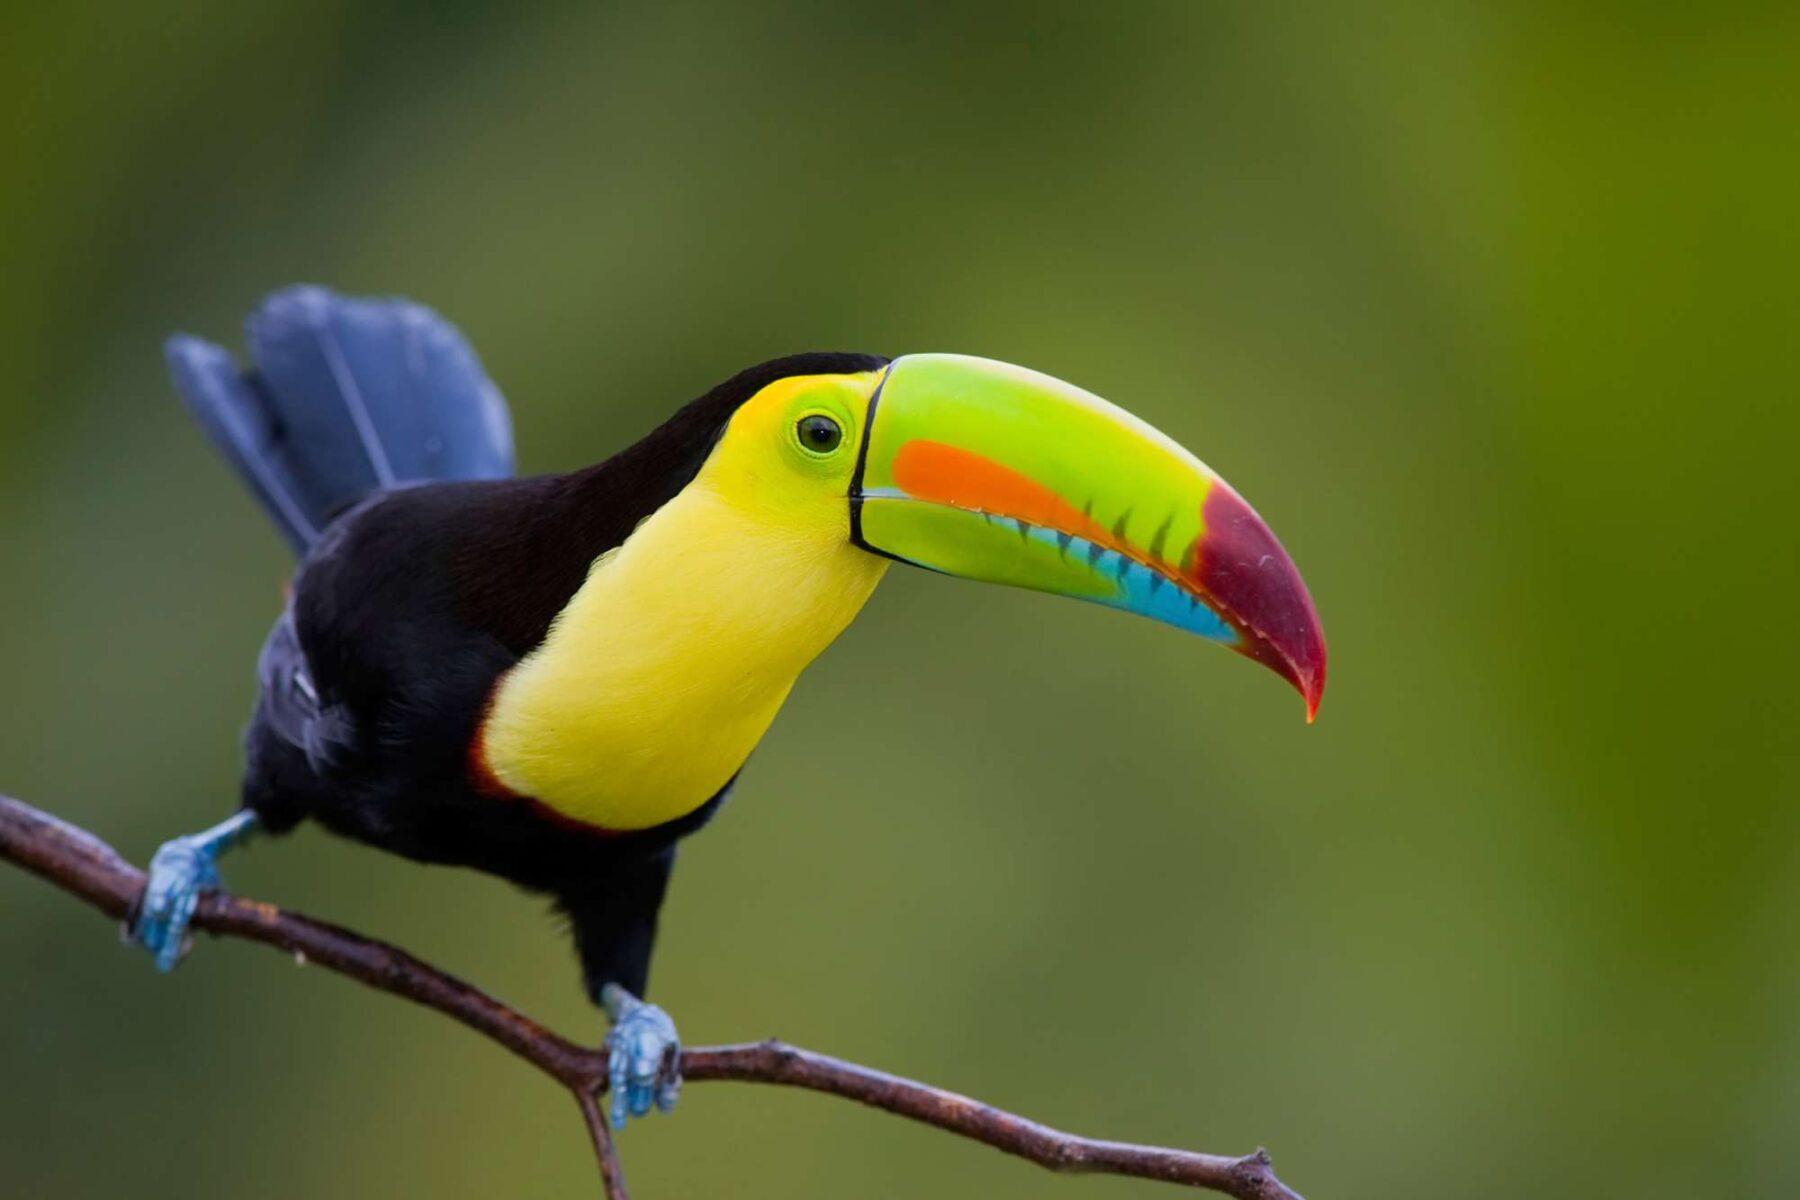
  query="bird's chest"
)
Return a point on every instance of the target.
[
  {"x": 667, "y": 667},
  {"x": 627, "y": 751}
]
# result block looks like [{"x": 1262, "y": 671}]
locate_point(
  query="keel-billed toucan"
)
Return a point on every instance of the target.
[{"x": 554, "y": 679}]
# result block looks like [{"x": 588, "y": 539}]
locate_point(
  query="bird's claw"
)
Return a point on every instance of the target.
[
  {"x": 181, "y": 869},
  {"x": 643, "y": 1056}
]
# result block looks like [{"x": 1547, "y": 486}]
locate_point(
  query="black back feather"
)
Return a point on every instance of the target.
[{"x": 516, "y": 569}]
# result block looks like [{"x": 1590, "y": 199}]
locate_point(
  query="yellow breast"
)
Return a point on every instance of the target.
[{"x": 667, "y": 666}]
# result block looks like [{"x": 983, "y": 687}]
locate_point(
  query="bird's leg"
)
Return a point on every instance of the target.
[
  {"x": 643, "y": 1055},
  {"x": 180, "y": 870},
  {"x": 612, "y": 913}
]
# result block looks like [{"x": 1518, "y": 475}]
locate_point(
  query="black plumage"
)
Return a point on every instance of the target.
[{"x": 371, "y": 435}]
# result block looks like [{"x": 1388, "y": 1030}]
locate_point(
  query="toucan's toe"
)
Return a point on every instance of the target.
[
  {"x": 643, "y": 1057},
  {"x": 181, "y": 869}
]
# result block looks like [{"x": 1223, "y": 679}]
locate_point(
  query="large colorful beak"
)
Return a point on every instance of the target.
[{"x": 993, "y": 472}]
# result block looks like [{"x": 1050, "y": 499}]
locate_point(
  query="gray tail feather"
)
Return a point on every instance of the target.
[{"x": 345, "y": 397}]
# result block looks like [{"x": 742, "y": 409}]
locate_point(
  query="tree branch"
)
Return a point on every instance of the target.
[
  {"x": 612, "y": 1175},
  {"x": 84, "y": 866}
]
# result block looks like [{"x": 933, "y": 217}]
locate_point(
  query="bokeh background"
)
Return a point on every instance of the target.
[{"x": 1489, "y": 309}]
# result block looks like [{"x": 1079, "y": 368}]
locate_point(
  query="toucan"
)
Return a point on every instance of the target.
[{"x": 555, "y": 679}]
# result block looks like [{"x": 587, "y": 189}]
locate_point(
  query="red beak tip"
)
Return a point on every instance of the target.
[
  {"x": 1249, "y": 577},
  {"x": 1314, "y": 692}
]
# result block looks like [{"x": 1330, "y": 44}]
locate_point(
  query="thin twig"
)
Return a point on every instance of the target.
[
  {"x": 612, "y": 1175},
  {"x": 83, "y": 865}
]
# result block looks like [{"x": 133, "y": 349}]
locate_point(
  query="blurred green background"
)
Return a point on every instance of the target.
[{"x": 1489, "y": 309}]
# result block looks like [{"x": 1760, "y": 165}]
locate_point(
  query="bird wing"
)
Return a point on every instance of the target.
[{"x": 290, "y": 699}]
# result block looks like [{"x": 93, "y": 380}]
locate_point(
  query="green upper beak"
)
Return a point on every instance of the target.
[{"x": 994, "y": 472}]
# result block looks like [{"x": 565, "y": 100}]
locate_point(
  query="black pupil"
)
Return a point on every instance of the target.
[{"x": 820, "y": 433}]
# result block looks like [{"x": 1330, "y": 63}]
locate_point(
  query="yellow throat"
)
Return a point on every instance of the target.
[{"x": 666, "y": 667}]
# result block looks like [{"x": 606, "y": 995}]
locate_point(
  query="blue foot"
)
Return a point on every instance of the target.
[
  {"x": 643, "y": 1056},
  {"x": 179, "y": 872}
]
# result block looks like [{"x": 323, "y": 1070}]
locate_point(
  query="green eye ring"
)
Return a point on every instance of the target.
[{"x": 819, "y": 434}]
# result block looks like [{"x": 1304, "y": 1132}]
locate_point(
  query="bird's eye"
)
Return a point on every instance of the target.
[{"x": 819, "y": 434}]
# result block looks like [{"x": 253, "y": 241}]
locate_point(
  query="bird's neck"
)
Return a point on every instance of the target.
[{"x": 668, "y": 664}]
